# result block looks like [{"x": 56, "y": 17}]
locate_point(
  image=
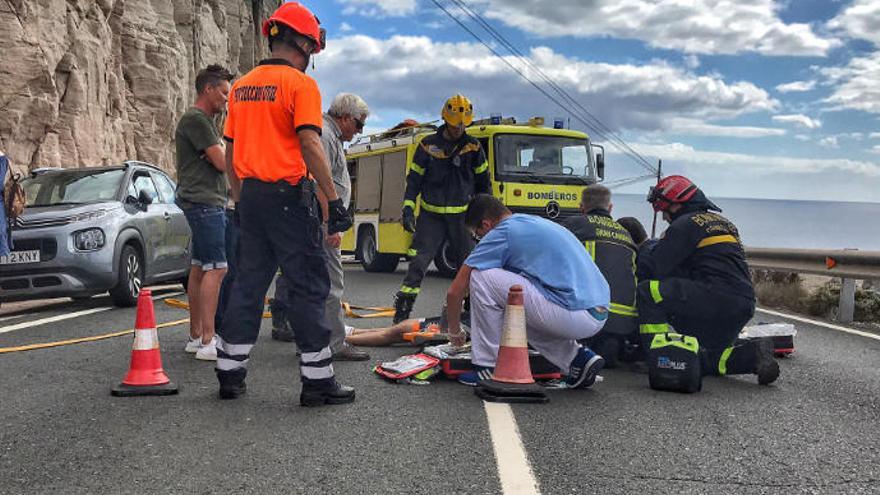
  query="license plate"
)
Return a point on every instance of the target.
[{"x": 19, "y": 257}]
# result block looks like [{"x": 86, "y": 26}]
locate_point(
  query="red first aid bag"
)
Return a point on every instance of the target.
[{"x": 416, "y": 366}]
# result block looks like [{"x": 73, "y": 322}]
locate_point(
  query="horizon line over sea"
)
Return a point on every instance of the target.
[
  {"x": 782, "y": 223},
  {"x": 746, "y": 198},
  {"x": 794, "y": 200}
]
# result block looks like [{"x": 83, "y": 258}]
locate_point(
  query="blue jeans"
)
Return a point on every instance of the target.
[
  {"x": 208, "y": 226},
  {"x": 232, "y": 234}
]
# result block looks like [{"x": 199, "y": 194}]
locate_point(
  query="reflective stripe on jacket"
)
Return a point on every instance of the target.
[
  {"x": 446, "y": 174},
  {"x": 613, "y": 251}
]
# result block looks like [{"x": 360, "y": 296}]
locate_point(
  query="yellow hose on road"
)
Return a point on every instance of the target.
[
  {"x": 377, "y": 312},
  {"x": 177, "y": 303},
  {"x": 47, "y": 345}
]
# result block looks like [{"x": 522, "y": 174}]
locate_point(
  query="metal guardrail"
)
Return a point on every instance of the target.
[
  {"x": 847, "y": 264},
  {"x": 843, "y": 263}
]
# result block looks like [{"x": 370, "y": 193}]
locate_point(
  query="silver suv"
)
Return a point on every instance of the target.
[{"x": 91, "y": 230}]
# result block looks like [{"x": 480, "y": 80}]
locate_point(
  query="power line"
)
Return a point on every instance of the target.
[
  {"x": 615, "y": 139},
  {"x": 598, "y": 126},
  {"x": 628, "y": 181},
  {"x": 494, "y": 52}
]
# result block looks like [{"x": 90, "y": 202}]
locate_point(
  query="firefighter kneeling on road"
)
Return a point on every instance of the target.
[
  {"x": 448, "y": 169},
  {"x": 274, "y": 134},
  {"x": 614, "y": 252},
  {"x": 695, "y": 278}
]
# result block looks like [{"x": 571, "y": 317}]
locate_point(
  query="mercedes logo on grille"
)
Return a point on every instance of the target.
[{"x": 552, "y": 209}]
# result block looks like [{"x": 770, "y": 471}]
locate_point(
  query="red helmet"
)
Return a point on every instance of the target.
[
  {"x": 675, "y": 189},
  {"x": 299, "y": 19}
]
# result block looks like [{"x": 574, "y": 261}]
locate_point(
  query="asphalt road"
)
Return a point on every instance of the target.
[{"x": 817, "y": 430}]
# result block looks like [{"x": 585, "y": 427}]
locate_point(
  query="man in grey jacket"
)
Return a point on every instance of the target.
[{"x": 344, "y": 119}]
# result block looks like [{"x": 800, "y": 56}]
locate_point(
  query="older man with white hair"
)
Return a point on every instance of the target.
[{"x": 344, "y": 119}]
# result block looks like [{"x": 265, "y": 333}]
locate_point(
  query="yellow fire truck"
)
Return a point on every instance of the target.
[{"x": 534, "y": 169}]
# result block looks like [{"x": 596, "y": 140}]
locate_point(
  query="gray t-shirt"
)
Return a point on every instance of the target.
[
  {"x": 198, "y": 181},
  {"x": 331, "y": 138}
]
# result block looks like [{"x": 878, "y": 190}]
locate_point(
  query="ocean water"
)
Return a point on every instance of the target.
[{"x": 782, "y": 223}]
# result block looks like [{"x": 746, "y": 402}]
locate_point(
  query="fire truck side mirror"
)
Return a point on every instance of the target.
[{"x": 600, "y": 160}]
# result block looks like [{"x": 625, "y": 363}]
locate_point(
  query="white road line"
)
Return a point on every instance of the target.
[
  {"x": 514, "y": 469},
  {"x": 68, "y": 316},
  {"x": 13, "y": 317},
  {"x": 821, "y": 324},
  {"x": 52, "y": 319}
]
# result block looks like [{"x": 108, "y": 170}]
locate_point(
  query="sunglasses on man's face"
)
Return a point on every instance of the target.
[{"x": 359, "y": 124}]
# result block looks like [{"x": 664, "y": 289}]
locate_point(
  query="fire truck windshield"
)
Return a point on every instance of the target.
[{"x": 546, "y": 159}]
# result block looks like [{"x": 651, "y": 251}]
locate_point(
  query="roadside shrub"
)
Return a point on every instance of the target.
[
  {"x": 824, "y": 302},
  {"x": 867, "y": 306},
  {"x": 779, "y": 278},
  {"x": 780, "y": 290}
]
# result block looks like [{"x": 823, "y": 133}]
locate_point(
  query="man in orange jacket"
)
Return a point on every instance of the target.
[{"x": 273, "y": 131}]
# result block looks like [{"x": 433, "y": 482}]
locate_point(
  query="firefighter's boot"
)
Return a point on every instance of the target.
[
  {"x": 403, "y": 304},
  {"x": 755, "y": 356}
]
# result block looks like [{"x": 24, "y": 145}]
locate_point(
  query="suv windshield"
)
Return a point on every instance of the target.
[
  {"x": 548, "y": 159},
  {"x": 72, "y": 187}
]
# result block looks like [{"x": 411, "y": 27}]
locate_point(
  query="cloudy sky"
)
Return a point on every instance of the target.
[{"x": 750, "y": 98}]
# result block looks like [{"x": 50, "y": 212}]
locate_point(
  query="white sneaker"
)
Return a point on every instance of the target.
[
  {"x": 208, "y": 352},
  {"x": 193, "y": 345}
]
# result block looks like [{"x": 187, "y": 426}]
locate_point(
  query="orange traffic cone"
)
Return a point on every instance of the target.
[
  {"x": 512, "y": 380},
  {"x": 145, "y": 374}
]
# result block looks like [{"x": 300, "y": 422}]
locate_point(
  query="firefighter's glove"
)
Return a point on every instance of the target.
[
  {"x": 409, "y": 220},
  {"x": 338, "y": 219}
]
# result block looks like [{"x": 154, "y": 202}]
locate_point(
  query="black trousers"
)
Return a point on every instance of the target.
[
  {"x": 697, "y": 309},
  {"x": 616, "y": 339},
  {"x": 431, "y": 230},
  {"x": 279, "y": 226}
]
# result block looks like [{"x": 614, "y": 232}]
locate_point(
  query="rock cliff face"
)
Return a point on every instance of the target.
[{"x": 92, "y": 82}]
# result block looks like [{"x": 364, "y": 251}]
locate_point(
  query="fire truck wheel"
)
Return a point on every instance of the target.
[
  {"x": 371, "y": 259},
  {"x": 443, "y": 261}
]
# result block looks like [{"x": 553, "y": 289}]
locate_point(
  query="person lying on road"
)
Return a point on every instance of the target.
[{"x": 413, "y": 331}]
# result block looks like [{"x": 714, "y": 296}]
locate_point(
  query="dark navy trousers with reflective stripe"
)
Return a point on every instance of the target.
[
  {"x": 280, "y": 226},
  {"x": 431, "y": 230}
]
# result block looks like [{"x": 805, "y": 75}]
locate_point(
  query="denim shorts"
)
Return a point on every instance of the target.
[{"x": 208, "y": 226}]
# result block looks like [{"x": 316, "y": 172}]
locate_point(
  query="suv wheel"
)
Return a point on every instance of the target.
[{"x": 129, "y": 279}]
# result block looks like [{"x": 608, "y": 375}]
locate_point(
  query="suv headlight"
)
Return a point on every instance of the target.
[{"x": 89, "y": 239}]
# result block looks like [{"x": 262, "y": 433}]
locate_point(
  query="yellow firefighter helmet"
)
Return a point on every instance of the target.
[{"x": 458, "y": 110}]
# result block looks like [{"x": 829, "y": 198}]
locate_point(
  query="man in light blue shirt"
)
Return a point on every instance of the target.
[{"x": 565, "y": 295}]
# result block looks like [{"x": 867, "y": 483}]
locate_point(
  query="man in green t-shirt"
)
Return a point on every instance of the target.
[{"x": 202, "y": 195}]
